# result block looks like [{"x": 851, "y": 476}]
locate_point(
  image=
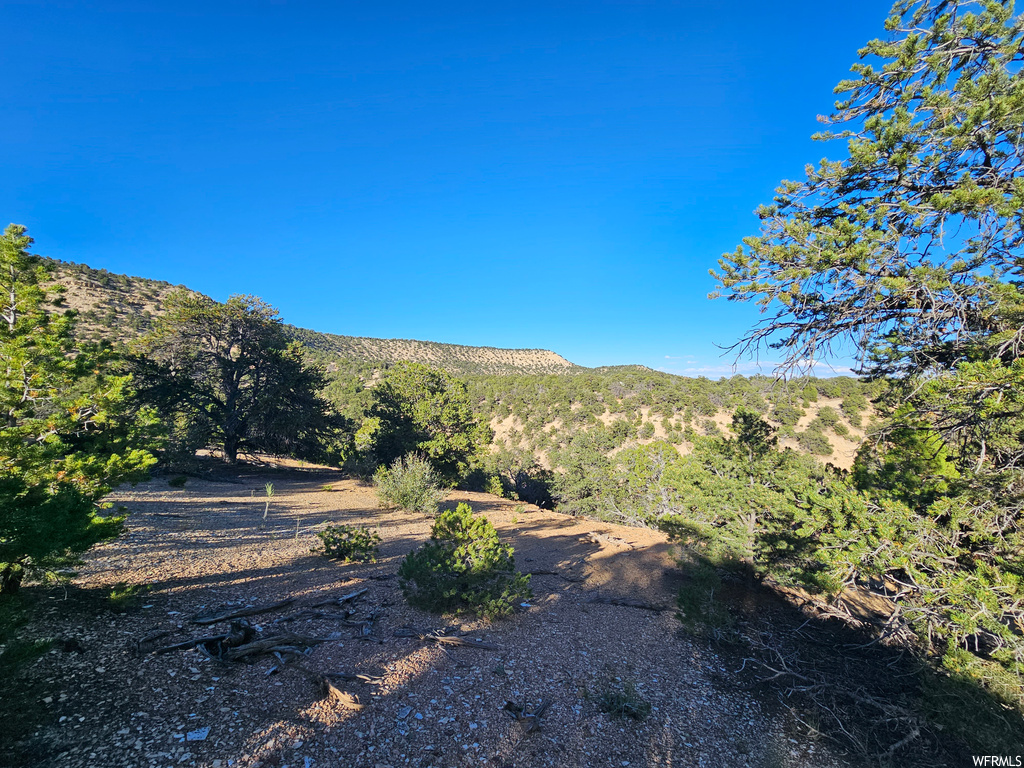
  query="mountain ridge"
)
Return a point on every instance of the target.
[{"x": 128, "y": 306}]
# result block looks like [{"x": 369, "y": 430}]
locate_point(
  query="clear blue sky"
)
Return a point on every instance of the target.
[{"x": 553, "y": 175}]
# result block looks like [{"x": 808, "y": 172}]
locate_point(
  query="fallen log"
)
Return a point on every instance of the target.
[
  {"x": 340, "y": 600},
  {"x": 251, "y": 610},
  {"x": 435, "y": 637},
  {"x": 270, "y": 644}
]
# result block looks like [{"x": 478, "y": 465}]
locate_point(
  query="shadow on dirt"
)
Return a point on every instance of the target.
[{"x": 880, "y": 705}]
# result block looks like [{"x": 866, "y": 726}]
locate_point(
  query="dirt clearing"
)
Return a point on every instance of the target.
[{"x": 601, "y": 629}]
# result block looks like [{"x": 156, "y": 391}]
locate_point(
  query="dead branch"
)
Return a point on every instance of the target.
[
  {"x": 338, "y": 696},
  {"x": 187, "y": 644},
  {"x": 340, "y": 600},
  {"x": 347, "y": 677},
  {"x": 311, "y": 614},
  {"x": 529, "y": 720},
  {"x": 629, "y": 604},
  {"x": 153, "y": 636},
  {"x": 252, "y": 610},
  {"x": 288, "y": 642},
  {"x": 330, "y": 691},
  {"x": 437, "y": 637}
]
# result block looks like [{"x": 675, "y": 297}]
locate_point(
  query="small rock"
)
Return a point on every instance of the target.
[{"x": 199, "y": 734}]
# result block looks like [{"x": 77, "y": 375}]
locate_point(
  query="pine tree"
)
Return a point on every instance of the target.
[
  {"x": 227, "y": 375},
  {"x": 67, "y": 435}
]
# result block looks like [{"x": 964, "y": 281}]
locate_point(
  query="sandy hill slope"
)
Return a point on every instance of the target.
[{"x": 127, "y": 306}]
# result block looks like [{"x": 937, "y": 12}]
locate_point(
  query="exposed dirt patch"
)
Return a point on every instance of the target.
[{"x": 602, "y": 619}]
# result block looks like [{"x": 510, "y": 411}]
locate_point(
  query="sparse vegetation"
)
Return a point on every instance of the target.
[
  {"x": 620, "y": 699},
  {"x": 123, "y": 597},
  {"x": 268, "y": 489}
]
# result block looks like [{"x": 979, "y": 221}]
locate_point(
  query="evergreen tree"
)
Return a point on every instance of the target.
[
  {"x": 227, "y": 375},
  {"x": 66, "y": 436},
  {"x": 910, "y": 251},
  {"x": 420, "y": 409}
]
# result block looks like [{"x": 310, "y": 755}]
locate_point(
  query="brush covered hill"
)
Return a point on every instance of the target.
[
  {"x": 535, "y": 400},
  {"x": 455, "y": 358},
  {"x": 125, "y": 307}
]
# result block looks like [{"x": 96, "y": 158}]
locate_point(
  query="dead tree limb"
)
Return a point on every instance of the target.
[
  {"x": 251, "y": 610},
  {"x": 340, "y": 600},
  {"x": 436, "y": 637},
  {"x": 629, "y": 604},
  {"x": 288, "y": 642},
  {"x": 187, "y": 644}
]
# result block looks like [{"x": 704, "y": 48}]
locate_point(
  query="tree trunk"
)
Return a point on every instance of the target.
[
  {"x": 10, "y": 578},
  {"x": 231, "y": 448}
]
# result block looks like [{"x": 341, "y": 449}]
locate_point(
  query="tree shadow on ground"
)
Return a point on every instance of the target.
[
  {"x": 595, "y": 599},
  {"x": 885, "y": 705}
]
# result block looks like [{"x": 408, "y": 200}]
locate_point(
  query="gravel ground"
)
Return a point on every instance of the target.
[{"x": 105, "y": 701}]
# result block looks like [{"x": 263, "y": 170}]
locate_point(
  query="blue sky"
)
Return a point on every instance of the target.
[{"x": 556, "y": 175}]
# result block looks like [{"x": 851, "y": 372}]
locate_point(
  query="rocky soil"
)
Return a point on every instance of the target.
[{"x": 601, "y": 624}]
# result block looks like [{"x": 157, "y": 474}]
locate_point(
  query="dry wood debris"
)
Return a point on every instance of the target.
[{"x": 442, "y": 639}]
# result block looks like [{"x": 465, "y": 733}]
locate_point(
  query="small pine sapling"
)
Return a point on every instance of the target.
[
  {"x": 349, "y": 543},
  {"x": 463, "y": 567}
]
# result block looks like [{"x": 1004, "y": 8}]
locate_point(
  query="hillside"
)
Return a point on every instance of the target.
[
  {"x": 534, "y": 399},
  {"x": 455, "y": 358},
  {"x": 128, "y": 305}
]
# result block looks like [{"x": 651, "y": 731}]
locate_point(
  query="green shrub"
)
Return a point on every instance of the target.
[
  {"x": 349, "y": 543},
  {"x": 827, "y": 417},
  {"x": 786, "y": 414},
  {"x": 494, "y": 486},
  {"x": 178, "y": 481},
  {"x": 463, "y": 567},
  {"x": 852, "y": 405},
  {"x": 410, "y": 484},
  {"x": 814, "y": 442}
]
